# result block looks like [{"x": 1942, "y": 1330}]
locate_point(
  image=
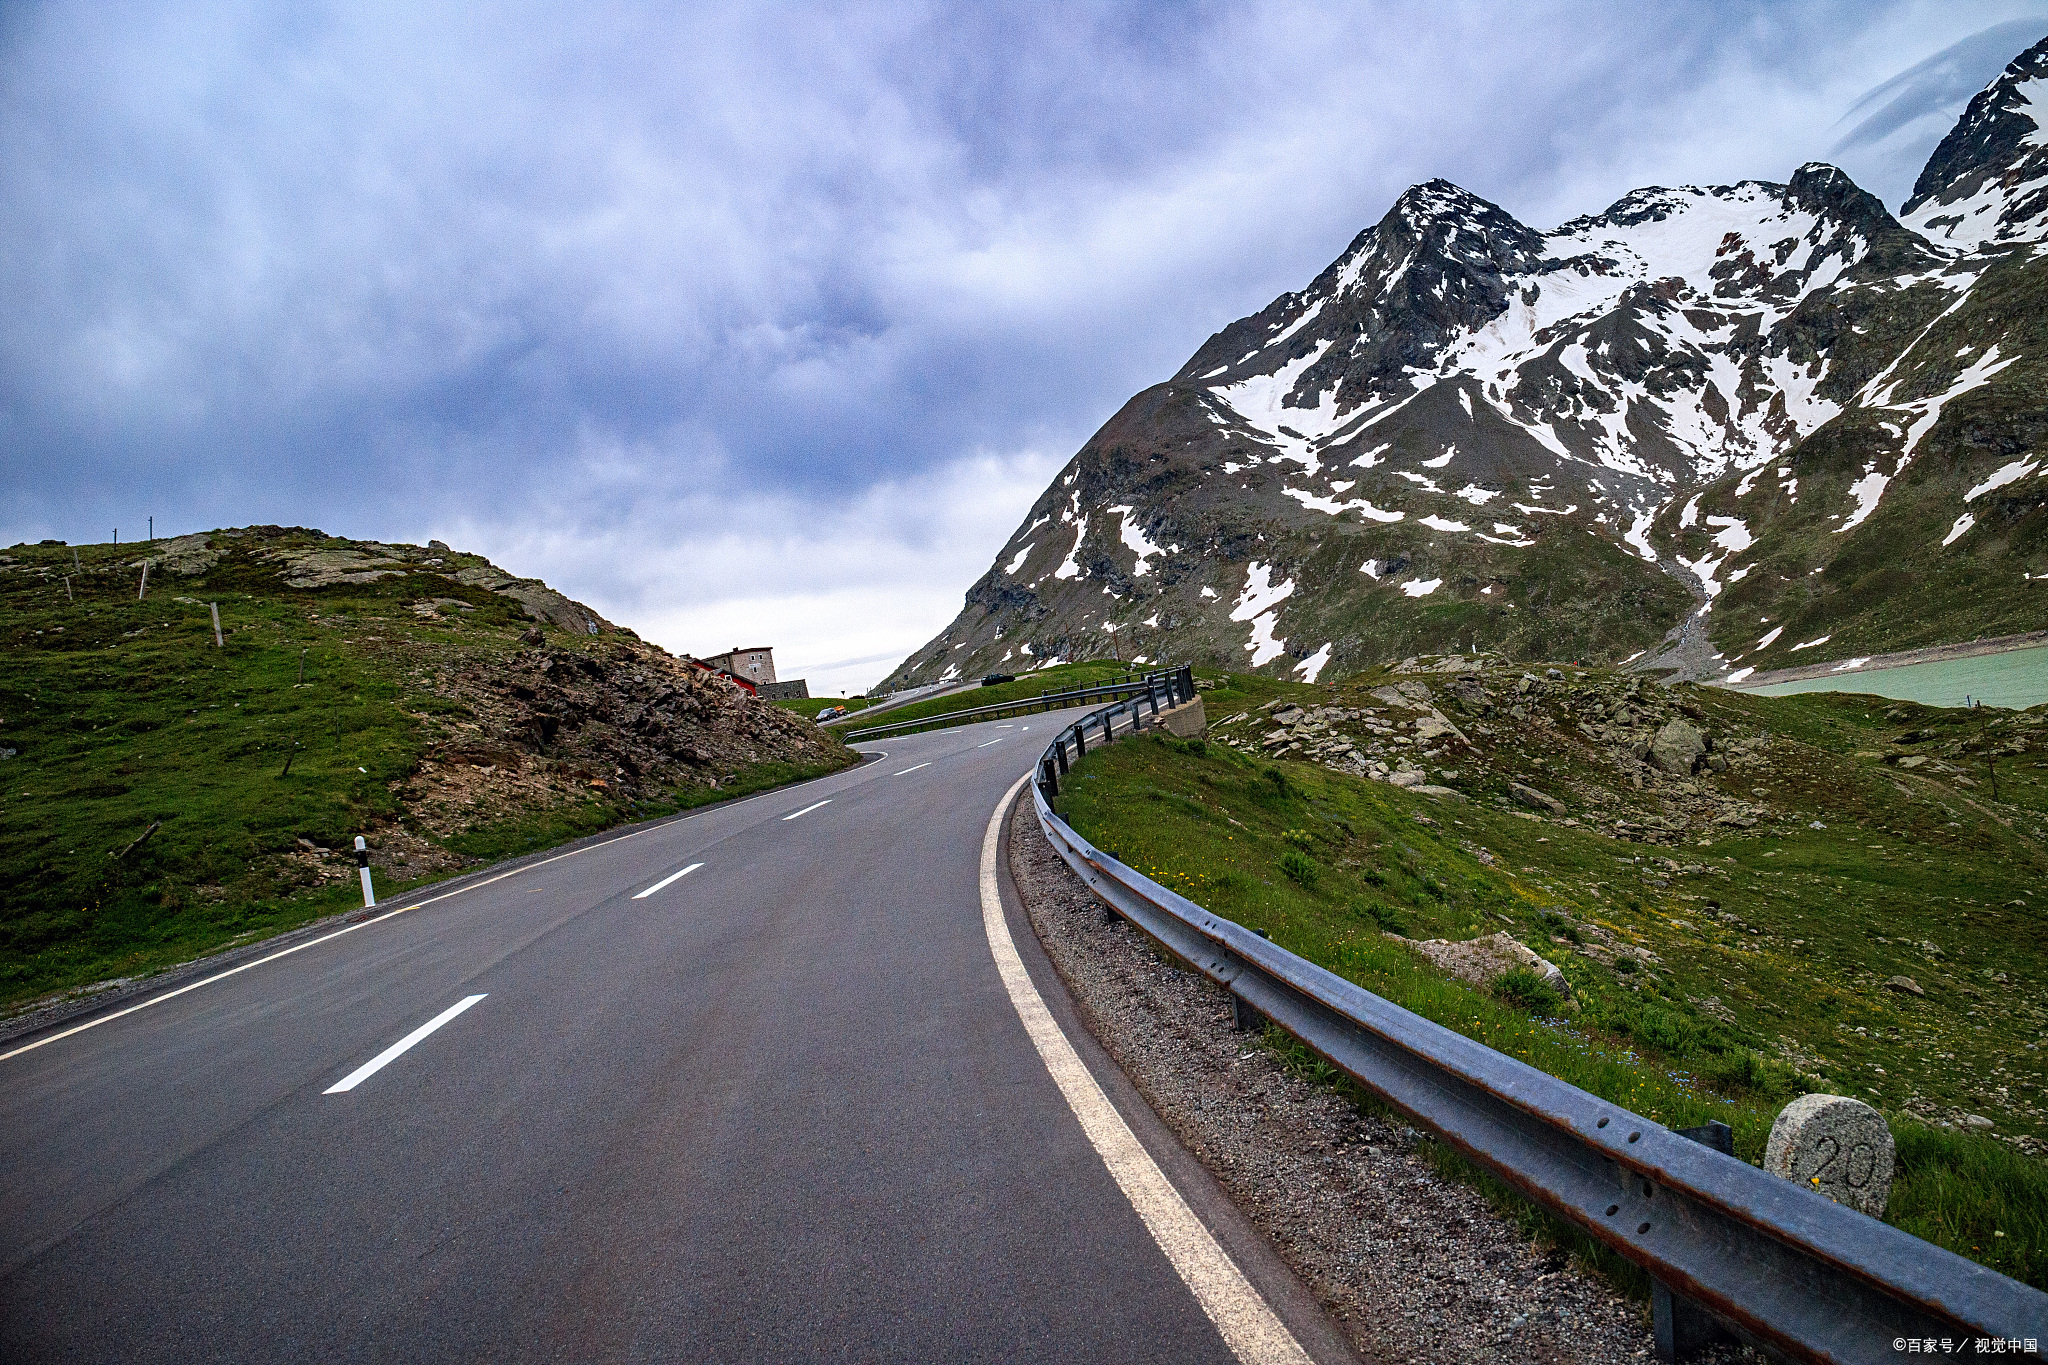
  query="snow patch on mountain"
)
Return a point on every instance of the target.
[
  {"x": 1134, "y": 539},
  {"x": 1869, "y": 490},
  {"x": 1731, "y": 539},
  {"x": 1257, "y": 603},
  {"x": 1261, "y": 402},
  {"x": 1070, "y": 567},
  {"x": 1315, "y": 502},
  {"x": 2001, "y": 476}
]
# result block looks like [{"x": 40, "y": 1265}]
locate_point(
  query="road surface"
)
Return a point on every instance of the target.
[{"x": 745, "y": 1086}]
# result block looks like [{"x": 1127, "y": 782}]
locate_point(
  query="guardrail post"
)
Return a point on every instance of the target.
[
  {"x": 1244, "y": 1016},
  {"x": 1681, "y": 1328}
]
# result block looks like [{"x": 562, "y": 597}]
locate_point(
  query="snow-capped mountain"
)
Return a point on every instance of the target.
[
  {"x": 1987, "y": 183},
  {"x": 1469, "y": 434}
]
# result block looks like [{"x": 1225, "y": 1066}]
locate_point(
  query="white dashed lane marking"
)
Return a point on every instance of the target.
[
  {"x": 671, "y": 877},
  {"x": 399, "y": 1048}
]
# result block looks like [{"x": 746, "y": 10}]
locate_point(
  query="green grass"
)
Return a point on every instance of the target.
[
  {"x": 1060, "y": 678},
  {"x": 125, "y": 717},
  {"x": 1323, "y": 862}
]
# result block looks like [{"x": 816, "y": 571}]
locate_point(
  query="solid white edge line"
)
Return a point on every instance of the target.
[
  {"x": 671, "y": 877},
  {"x": 1246, "y": 1321},
  {"x": 911, "y": 769},
  {"x": 808, "y": 809},
  {"x": 416, "y": 905},
  {"x": 398, "y": 1049}
]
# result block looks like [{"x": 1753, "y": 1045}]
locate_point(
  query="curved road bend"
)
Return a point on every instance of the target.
[{"x": 781, "y": 1108}]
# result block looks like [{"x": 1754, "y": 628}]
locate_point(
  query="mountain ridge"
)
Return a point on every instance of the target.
[{"x": 1468, "y": 434}]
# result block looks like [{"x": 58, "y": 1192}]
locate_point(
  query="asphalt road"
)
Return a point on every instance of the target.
[{"x": 780, "y": 1109}]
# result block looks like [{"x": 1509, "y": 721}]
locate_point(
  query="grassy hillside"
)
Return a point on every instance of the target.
[
  {"x": 1727, "y": 935},
  {"x": 161, "y": 796}
]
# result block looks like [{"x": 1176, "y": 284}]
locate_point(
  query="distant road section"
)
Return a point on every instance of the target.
[{"x": 746, "y": 1086}]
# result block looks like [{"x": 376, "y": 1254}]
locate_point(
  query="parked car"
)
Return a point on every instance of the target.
[{"x": 992, "y": 679}]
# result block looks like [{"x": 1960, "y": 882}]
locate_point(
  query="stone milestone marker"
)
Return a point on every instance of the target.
[{"x": 1836, "y": 1145}]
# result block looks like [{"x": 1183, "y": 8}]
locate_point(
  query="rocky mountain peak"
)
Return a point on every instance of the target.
[
  {"x": 1987, "y": 183},
  {"x": 1440, "y": 218},
  {"x": 1821, "y": 188}
]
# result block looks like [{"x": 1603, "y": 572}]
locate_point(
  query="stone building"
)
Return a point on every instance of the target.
[{"x": 756, "y": 664}]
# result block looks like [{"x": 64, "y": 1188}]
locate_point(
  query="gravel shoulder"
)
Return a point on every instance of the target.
[{"x": 1412, "y": 1267}]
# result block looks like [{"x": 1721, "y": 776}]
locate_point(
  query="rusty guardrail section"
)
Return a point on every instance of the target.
[
  {"x": 1729, "y": 1247},
  {"x": 1150, "y": 687}
]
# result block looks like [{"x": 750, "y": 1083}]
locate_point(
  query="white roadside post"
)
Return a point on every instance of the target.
[{"x": 363, "y": 867}]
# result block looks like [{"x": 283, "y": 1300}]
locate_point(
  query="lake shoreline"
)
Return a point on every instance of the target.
[{"x": 1833, "y": 668}]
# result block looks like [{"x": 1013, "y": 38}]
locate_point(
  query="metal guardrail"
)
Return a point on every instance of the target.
[
  {"x": 1150, "y": 687},
  {"x": 1730, "y": 1248}
]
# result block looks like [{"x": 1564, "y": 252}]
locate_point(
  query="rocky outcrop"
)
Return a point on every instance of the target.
[
  {"x": 1481, "y": 961},
  {"x": 617, "y": 717},
  {"x": 186, "y": 556},
  {"x": 1599, "y": 736}
]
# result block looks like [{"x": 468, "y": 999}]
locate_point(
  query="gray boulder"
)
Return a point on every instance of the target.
[{"x": 1677, "y": 748}]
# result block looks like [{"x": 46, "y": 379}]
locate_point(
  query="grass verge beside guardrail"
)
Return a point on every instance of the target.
[{"x": 1329, "y": 865}]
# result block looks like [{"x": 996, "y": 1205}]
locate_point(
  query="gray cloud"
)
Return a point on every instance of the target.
[
  {"x": 1896, "y": 124},
  {"x": 689, "y": 310}
]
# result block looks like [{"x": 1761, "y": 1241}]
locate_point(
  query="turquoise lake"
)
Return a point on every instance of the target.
[{"x": 2017, "y": 678}]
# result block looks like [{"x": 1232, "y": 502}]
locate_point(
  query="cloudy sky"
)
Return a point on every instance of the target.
[{"x": 764, "y": 324}]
